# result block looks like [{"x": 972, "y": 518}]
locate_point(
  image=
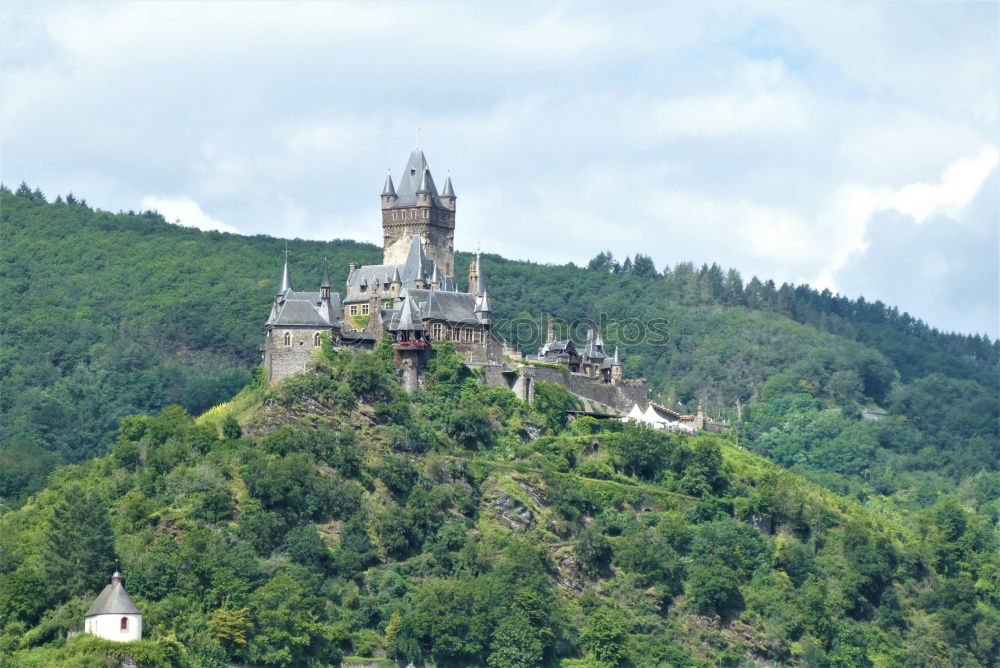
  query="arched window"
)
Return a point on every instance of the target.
[
  {"x": 316, "y": 339},
  {"x": 288, "y": 339},
  {"x": 124, "y": 625}
]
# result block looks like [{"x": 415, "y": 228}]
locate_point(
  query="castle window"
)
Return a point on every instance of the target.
[
  {"x": 394, "y": 215},
  {"x": 364, "y": 309},
  {"x": 288, "y": 339},
  {"x": 124, "y": 625},
  {"x": 468, "y": 335},
  {"x": 437, "y": 331},
  {"x": 316, "y": 339},
  {"x": 354, "y": 309}
]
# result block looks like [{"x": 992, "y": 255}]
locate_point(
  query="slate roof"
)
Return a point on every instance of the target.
[
  {"x": 458, "y": 307},
  {"x": 410, "y": 182},
  {"x": 388, "y": 190},
  {"x": 417, "y": 267},
  {"x": 451, "y": 307},
  {"x": 300, "y": 313},
  {"x": 113, "y": 600}
]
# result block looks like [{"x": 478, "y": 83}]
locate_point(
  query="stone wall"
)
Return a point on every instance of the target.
[
  {"x": 597, "y": 397},
  {"x": 280, "y": 360}
]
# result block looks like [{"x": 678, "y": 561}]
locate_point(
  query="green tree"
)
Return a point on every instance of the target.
[
  {"x": 714, "y": 588},
  {"x": 593, "y": 550},
  {"x": 605, "y": 636},
  {"x": 79, "y": 544},
  {"x": 552, "y": 401}
]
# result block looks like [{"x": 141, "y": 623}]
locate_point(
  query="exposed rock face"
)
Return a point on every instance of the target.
[
  {"x": 570, "y": 573},
  {"x": 513, "y": 514}
]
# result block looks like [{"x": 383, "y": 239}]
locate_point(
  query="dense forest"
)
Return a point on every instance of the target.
[{"x": 337, "y": 514}]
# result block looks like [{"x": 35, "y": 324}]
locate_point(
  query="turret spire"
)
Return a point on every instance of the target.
[
  {"x": 425, "y": 183},
  {"x": 286, "y": 277},
  {"x": 389, "y": 190},
  {"x": 448, "y": 191},
  {"x": 326, "y": 276}
]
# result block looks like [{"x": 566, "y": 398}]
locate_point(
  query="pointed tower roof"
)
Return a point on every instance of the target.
[
  {"x": 425, "y": 183},
  {"x": 411, "y": 182},
  {"x": 409, "y": 319},
  {"x": 616, "y": 361},
  {"x": 416, "y": 266},
  {"x": 326, "y": 276},
  {"x": 286, "y": 280},
  {"x": 389, "y": 190},
  {"x": 395, "y": 276},
  {"x": 483, "y": 309},
  {"x": 483, "y": 305},
  {"x": 113, "y": 600},
  {"x": 448, "y": 191},
  {"x": 436, "y": 275}
]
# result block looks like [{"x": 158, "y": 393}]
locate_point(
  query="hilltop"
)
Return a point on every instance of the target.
[
  {"x": 337, "y": 515},
  {"x": 117, "y": 314}
]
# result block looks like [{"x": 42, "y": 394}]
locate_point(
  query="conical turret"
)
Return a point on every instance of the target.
[
  {"x": 388, "y": 193},
  {"x": 448, "y": 194},
  {"x": 286, "y": 280}
]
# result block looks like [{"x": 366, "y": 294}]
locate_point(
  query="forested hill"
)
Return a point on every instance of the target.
[
  {"x": 337, "y": 515},
  {"x": 113, "y": 314}
]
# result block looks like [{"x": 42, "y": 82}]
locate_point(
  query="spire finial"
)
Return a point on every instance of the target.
[{"x": 418, "y": 138}]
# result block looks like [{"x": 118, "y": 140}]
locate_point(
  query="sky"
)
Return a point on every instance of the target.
[{"x": 852, "y": 146}]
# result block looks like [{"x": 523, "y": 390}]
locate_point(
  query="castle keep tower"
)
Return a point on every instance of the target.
[{"x": 416, "y": 209}]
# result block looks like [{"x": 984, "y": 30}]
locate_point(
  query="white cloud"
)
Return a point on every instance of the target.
[
  {"x": 763, "y": 136},
  {"x": 853, "y": 206},
  {"x": 185, "y": 211}
]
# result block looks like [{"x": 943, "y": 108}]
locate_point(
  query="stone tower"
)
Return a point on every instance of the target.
[{"x": 416, "y": 208}]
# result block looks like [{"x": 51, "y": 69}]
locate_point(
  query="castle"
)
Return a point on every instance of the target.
[{"x": 412, "y": 296}]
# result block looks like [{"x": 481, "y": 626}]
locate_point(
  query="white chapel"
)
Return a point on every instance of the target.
[{"x": 113, "y": 615}]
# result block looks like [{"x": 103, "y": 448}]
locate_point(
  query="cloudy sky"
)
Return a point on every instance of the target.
[{"x": 852, "y": 146}]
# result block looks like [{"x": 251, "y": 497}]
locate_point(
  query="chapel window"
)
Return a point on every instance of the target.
[
  {"x": 288, "y": 339},
  {"x": 124, "y": 625},
  {"x": 316, "y": 339}
]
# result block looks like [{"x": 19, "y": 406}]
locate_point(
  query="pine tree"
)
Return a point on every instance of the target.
[{"x": 79, "y": 550}]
